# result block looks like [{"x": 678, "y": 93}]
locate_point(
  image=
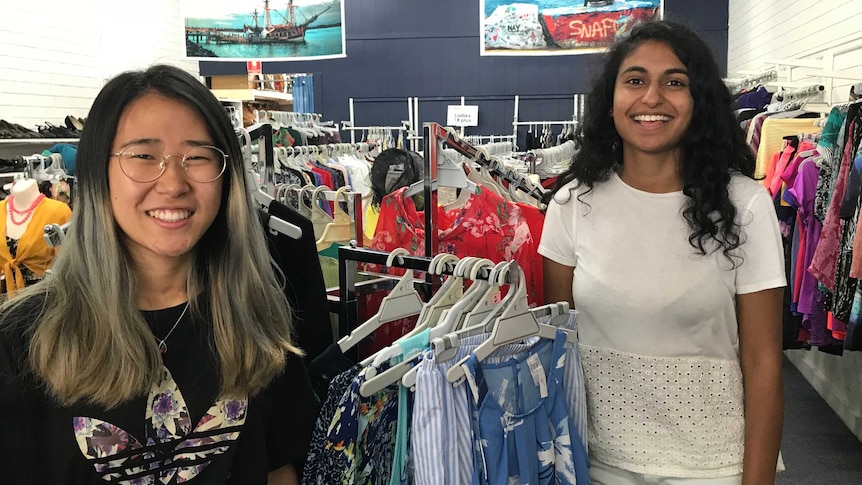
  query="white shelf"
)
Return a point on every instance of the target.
[
  {"x": 252, "y": 95},
  {"x": 36, "y": 141},
  {"x": 14, "y": 147}
]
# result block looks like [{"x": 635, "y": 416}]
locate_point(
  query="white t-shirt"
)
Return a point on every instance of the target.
[{"x": 657, "y": 322}]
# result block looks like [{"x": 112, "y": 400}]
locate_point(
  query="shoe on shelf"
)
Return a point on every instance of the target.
[
  {"x": 16, "y": 131},
  {"x": 49, "y": 130},
  {"x": 74, "y": 124}
]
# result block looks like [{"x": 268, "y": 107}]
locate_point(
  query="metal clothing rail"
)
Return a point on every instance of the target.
[
  {"x": 452, "y": 140},
  {"x": 410, "y": 125},
  {"x": 435, "y": 137},
  {"x": 738, "y": 85},
  {"x": 579, "y": 105},
  {"x": 805, "y": 92},
  {"x": 349, "y": 290}
]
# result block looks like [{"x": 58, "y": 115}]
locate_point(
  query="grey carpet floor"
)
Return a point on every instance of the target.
[{"x": 817, "y": 446}]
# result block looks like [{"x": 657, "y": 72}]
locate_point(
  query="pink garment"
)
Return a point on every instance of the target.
[
  {"x": 825, "y": 261},
  {"x": 789, "y": 174},
  {"x": 856, "y": 263},
  {"x": 781, "y": 164},
  {"x": 770, "y": 170}
]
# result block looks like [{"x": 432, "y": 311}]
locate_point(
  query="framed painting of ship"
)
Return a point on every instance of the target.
[
  {"x": 559, "y": 27},
  {"x": 269, "y": 30}
]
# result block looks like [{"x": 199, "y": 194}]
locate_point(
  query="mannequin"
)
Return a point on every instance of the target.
[
  {"x": 23, "y": 198},
  {"x": 25, "y": 255}
]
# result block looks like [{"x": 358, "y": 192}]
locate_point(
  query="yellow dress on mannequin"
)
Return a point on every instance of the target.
[{"x": 33, "y": 251}]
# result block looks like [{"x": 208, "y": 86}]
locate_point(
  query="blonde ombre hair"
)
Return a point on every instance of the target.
[{"x": 88, "y": 341}]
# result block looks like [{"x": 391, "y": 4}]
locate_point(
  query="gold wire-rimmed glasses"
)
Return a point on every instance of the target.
[{"x": 145, "y": 163}]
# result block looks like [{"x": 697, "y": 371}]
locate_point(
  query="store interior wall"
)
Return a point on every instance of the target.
[
  {"x": 816, "y": 31},
  {"x": 55, "y": 55},
  {"x": 415, "y": 48}
]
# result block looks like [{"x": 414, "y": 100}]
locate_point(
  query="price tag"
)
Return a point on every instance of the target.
[
  {"x": 538, "y": 373},
  {"x": 460, "y": 115}
]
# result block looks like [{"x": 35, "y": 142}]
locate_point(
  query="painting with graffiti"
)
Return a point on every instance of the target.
[{"x": 559, "y": 27}]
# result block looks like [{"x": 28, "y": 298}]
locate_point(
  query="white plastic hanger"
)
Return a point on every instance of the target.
[
  {"x": 436, "y": 266},
  {"x": 516, "y": 323},
  {"x": 452, "y": 291},
  {"x": 448, "y": 175},
  {"x": 455, "y": 316},
  {"x": 275, "y": 224},
  {"x": 443, "y": 299},
  {"x": 445, "y": 348},
  {"x": 478, "y": 287},
  {"x": 487, "y": 306},
  {"x": 403, "y": 301}
]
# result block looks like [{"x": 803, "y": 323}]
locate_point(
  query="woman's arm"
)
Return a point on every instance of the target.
[
  {"x": 558, "y": 282},
  {"x": 759, "y": 316},
  {"x": 285, "y": 475}
]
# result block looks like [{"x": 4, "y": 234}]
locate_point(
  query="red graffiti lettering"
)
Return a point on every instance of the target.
[{"x": 593, "y": 31}]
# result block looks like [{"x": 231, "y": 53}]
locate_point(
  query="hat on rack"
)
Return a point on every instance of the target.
[{"x": 392, "y": 169}]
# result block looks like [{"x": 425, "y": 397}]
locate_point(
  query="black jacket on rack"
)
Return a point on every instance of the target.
[{"x": 304, "y": 288}]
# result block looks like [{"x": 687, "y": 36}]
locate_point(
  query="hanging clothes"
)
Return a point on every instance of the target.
[
  {"x": 441, "y": 426},
  {"x": 523, "y": 433},
  {"x": 304, "y": 287},
  {"x": 486, "y": 226}
]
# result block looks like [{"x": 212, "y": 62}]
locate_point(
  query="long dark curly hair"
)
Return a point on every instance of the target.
[{"x": 712, "y": 148}]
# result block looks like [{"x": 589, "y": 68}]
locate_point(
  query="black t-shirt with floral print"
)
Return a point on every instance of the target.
[{"x": 179, "y": 432}]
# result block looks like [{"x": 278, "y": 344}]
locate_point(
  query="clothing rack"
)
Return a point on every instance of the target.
[
  {"x": 796, "y": 98},
  {"x": 410, "y": 125},
  {"x": 738, "y": 85},
  {"x": 579, "y": 105},
  {"x": 435, "y": 137},
  {"x": 797, "y": 93},
  {"x": 265, "y": 192},
  {"x": 349, "y": 290}
]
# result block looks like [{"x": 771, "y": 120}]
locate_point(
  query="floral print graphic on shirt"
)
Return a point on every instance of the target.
[{"x": 117, "y": 454}]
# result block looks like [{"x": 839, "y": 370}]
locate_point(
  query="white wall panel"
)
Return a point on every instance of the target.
[
  {"x": 827, "y": 33},
  {"x": 55, "y": 55}
]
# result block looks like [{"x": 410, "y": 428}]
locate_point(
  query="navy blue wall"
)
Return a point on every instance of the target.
[{"x": 430, "y": 49}]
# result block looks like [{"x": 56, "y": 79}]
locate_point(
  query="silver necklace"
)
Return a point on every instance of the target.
[{"x": 163, "y": 347}]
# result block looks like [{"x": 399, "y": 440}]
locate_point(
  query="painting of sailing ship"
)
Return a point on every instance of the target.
[
  {"x": 266, "y": 29},
  {"x": 555, "y": 27}
]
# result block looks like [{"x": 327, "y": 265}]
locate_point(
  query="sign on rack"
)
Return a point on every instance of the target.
[{"x": 461, "y": 115}]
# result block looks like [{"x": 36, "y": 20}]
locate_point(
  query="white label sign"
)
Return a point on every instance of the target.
[{"x": 460, "y": 115}]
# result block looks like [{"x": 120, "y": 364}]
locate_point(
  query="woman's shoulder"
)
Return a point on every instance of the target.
[
  {"x": 743, "y": 189},
  {"x": 575, "y": 191}
]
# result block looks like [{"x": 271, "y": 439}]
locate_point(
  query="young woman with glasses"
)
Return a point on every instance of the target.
[{"x": 160, "y": 349}]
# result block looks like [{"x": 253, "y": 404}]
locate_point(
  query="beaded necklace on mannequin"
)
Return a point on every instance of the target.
[{"x": 20, "y": 206}]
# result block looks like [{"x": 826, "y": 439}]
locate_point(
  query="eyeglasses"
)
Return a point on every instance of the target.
[{"x": 145, "y": 163}]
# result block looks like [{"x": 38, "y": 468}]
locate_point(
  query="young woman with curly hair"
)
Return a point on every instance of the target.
[{"x": 671, "y": 253}]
